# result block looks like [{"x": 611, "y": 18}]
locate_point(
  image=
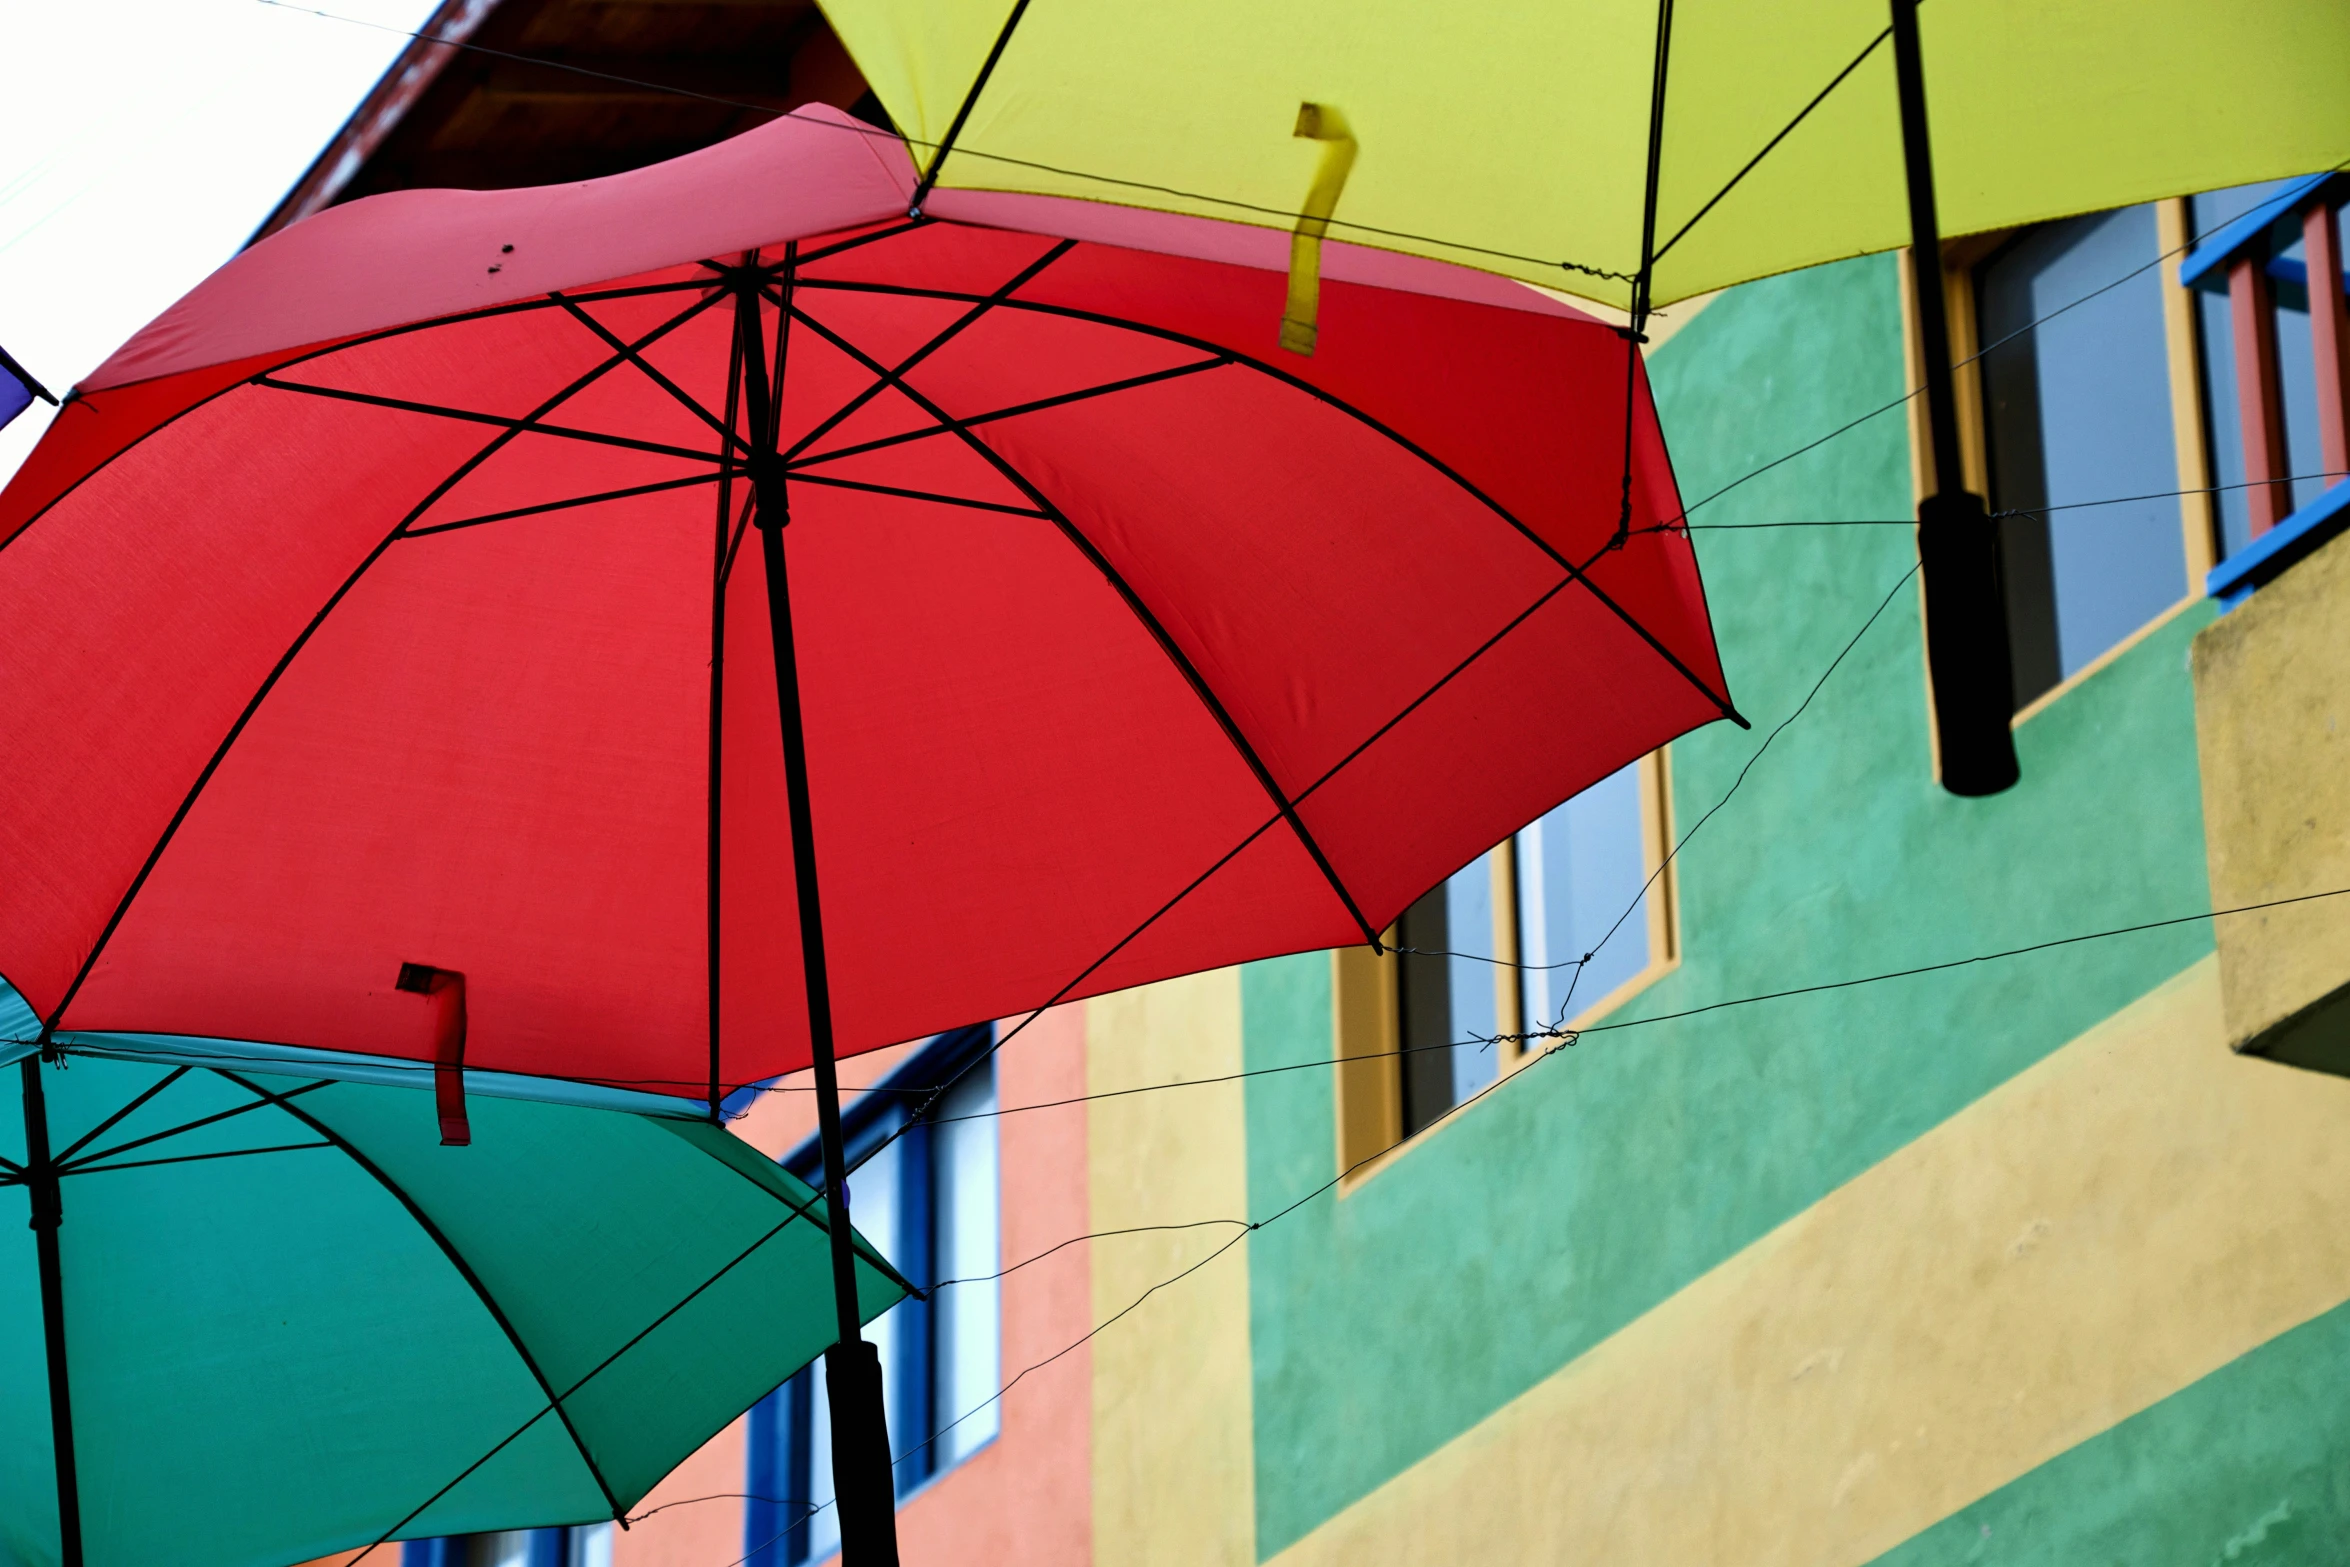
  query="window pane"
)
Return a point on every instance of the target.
[
  {"x": 2078, "y": 410},
  {"x": 2220, "y": 417},
  {"x": 967, "y": 1316},
  {"x": 1447, "y": 1002},
  {"x": 877, "y": 1207},
  {"x": 1580, "y": 870},
  {"x": 588, "y": 1545},
  {"x": 506, "y": 1548}
]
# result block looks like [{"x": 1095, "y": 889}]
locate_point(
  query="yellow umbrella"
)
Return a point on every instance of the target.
[
  {"x": 1514, "y": 136},
  {"x": 1634, "y": 152}
]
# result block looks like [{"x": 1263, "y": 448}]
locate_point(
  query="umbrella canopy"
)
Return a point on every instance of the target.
[
  {"x": 293, "y": 1322},
  {"x": 1516, "y": 136},
  {"x": 382, "y": 619}
]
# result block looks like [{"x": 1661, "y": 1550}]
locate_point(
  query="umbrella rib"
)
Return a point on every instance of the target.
[
  {"x": 721, "y": 558},
  {"x": 519, "y": 426},
  {"x": 457, "y": 1260},
  {"x": 685, "y": 398},
  {"x": 1139, "y": 610},
  {"x": 114, "y": 1120},
  {"x": 938, "y": 156},
  {"x": 180, "y": 1130},
  {"x": 1785, "y": 131},
  {"x": 918, "y": 495},
  {"x": 188, "y": 1158},
  {"x": 515, "y": 308},
  {"x": 883, "y": 378},
  {"x": 1369, "y": 421},
  {"x": 564, "y": 505},
  {"x": 892, "y": 231},
  {"x": 301, "y": 640},
  {"x": 1083, "y": 394}
]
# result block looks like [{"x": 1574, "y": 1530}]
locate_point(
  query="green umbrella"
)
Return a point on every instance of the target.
[{"x": 294, "y": 1322}]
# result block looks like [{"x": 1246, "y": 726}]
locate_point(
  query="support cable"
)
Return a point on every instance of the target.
[{"x": 938, "y": 157}]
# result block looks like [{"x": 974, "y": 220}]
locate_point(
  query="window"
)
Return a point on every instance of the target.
[
  {"x": 582, "y": 1545},
  {"x": 588, "y": 1547},
  {"x": 1498, "y": 948},
  {"x": 507, "y": 1548},
  {"x": 2077, "y": 410},
  {"x": 1447, "y": 1002},
  {"x": 929, "y": 1201}
]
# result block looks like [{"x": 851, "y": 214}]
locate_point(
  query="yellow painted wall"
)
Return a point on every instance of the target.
[
  {"x": 2128, "y": 1215},
  {"x": 1173, "y": 1479}
]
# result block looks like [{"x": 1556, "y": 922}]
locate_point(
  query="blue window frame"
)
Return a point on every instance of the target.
[
  {"x": 2250, "y": 268},
  {"x": 930, "y": 1200}
]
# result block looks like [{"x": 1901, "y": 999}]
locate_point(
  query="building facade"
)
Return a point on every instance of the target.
[{"x": 1769, "y": 1157}]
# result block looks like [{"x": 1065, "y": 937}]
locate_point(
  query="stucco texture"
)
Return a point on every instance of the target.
[
  {"x": 1599, "y": 1183},
  {"x": 2111, "y": 1225},
  {"x": 1171, "y": 1476},
  {"x": 2272, "y": 695}
]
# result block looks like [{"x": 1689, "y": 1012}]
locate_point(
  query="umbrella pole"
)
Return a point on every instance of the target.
[
  {"x": 41, "y": 1184},
  {"x": 1958, "y": 545},
  {"x": 864, "y": 1486}
]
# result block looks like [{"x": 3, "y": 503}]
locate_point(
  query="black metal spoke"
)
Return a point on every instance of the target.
[
  {"x": 188, "y": 1158},
  {"x": 491, "y": 312},
  {"x": 523, "y": 425},
  {"x": 448, "y": 1249},
  {"x": 904, "y": 226},
  {"x": 919, "y": 495},
  {"x": 645, "y": 366},
  {"x": 1142, "y": 612},
  {"x": 1370, "y": 421},
  {"x": 489, "y": 449},
  {"x": 114, "y": 1120},
  {"x": 600, "y": 496},
  {"x": 981, "y": 304},
  {"x": 1131, "y": 382},
  {"x": 721, "y": 558},
  {"x": 183, "y": 1129}
]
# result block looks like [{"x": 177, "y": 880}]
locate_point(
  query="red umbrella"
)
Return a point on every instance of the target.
[{"x": 388, "y": 671}]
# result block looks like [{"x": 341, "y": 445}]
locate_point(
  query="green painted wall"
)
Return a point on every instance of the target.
[
  {"x": 2242, "y": 1469},
  {"x": 1604, "y": 1179}
]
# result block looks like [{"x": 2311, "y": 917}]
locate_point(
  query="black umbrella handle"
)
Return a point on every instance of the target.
[
  {"x": 1966, "y": 602},
  {"x": 42, "y": 1185},
  {"x": 864, "y": 1483}
]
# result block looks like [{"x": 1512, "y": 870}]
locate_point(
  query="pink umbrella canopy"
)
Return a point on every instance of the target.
[{"x": 383, "y": 612}]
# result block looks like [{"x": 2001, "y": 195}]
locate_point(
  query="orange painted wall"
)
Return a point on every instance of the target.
[{"x": 1026, "y": 1498}]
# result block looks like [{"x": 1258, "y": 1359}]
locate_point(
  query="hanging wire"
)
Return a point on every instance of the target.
[
  {"x": 2177, "y": 250},
  {"x": 1578, "y": 964},
  {"x": 894, "y": 137}
]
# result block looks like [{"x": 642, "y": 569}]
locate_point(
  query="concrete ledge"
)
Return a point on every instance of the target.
[{"x": 2272, "y": 722}]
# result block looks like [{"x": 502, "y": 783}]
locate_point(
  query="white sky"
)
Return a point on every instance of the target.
[{"x": 141, "y": 141}]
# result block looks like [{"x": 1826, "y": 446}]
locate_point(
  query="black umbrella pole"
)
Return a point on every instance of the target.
[
  {"x": 41, "y": 1184},
  {"x": 863, "y": 1484},
  {"x": 1958, "y": 545}
]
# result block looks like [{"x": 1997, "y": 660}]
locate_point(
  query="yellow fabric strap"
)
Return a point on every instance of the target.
[{"x": 1315, "y": 122}]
